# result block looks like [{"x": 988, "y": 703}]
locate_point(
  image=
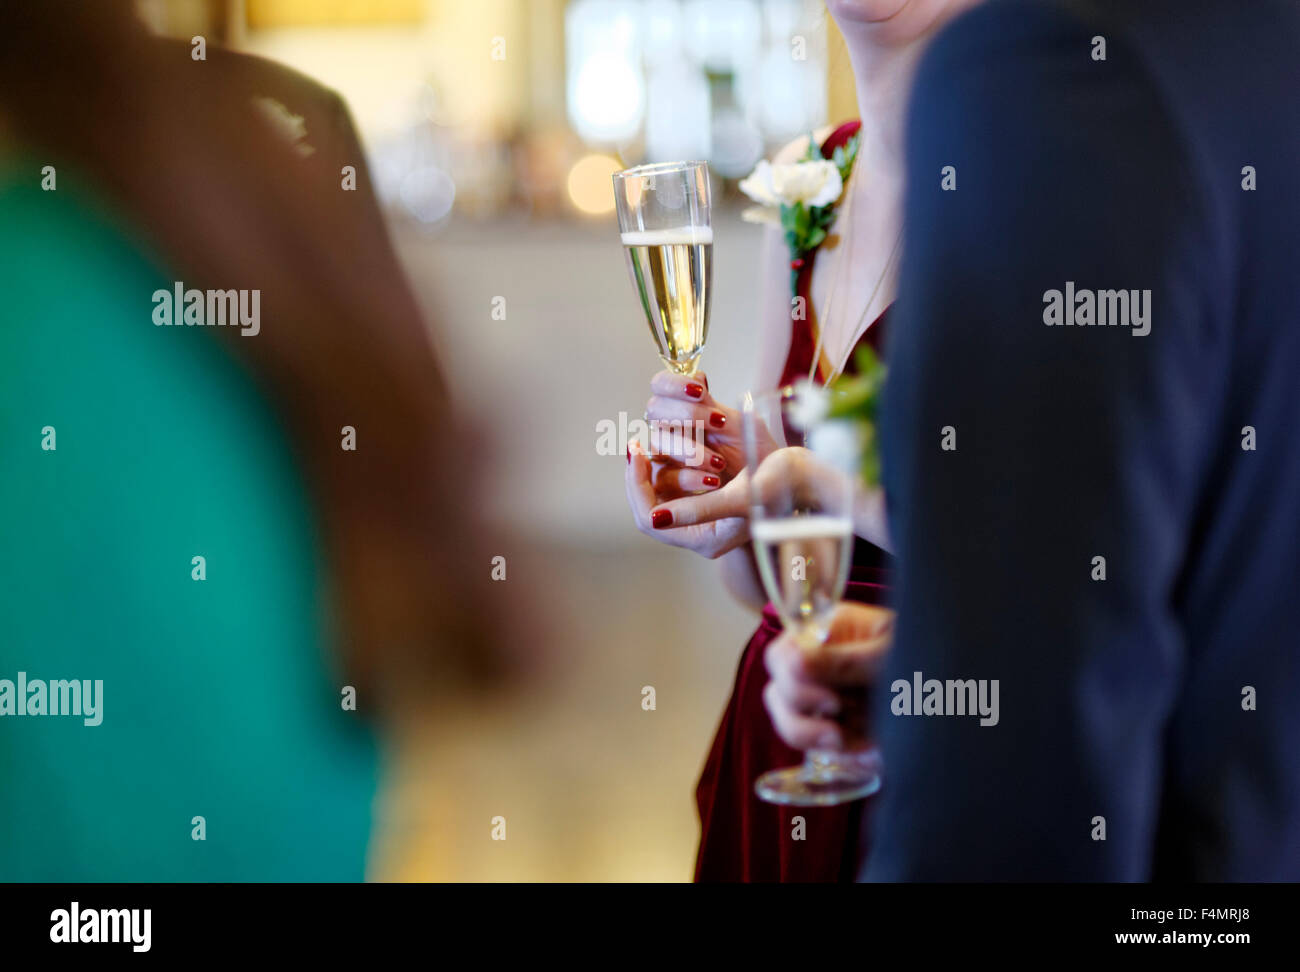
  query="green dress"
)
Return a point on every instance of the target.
[{"x": 219, "y": 698}]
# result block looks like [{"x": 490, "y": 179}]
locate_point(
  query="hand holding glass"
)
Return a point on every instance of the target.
[{"x": 801, "y": 523}]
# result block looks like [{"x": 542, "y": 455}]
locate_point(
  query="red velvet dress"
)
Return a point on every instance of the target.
[{"x": 741, "y": 837}]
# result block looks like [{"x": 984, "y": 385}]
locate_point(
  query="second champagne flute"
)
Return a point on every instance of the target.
[{"x": 802, "y": 471}]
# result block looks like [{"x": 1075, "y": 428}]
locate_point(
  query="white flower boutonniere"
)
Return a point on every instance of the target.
[
  {"x": 810, "y": 403},
  {"x": 856, "y": 400},
  {"x": 835, "y": 437},
  {"x": 812, "y": 184},
  {"x": 800, "y": 196}
]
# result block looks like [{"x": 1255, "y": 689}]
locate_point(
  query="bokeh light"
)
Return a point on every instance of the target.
[{"x": 590, "y": 188}]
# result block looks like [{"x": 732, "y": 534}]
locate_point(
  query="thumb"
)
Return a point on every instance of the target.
[
  {"x": 729, "y": 501},
  {"x": 848, "y": 663}
]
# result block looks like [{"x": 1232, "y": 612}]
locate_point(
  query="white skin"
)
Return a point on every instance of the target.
[{"x": 884, "y": 39}]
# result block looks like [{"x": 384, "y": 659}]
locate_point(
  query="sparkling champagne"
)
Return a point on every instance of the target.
[
  {"x": 672, "y": 271},
  {"x": 804, "y": 562}
]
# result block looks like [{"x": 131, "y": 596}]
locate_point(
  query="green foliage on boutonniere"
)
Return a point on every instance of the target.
[
  {"x": 857, "y": 397},
  {"x": 806, "y": 226}
]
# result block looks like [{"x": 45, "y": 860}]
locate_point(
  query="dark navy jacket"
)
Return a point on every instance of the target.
[{"x": 1159, "y": 706}]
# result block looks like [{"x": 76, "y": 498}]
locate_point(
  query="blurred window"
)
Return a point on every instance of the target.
[{"x": 680, "y": 79}]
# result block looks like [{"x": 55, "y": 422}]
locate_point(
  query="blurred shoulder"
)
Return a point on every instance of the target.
[
  {"x": 252, "y": 76},
  {"x": 246, "y": 70}
]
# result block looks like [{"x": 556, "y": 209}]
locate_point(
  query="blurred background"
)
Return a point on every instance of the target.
[{"x": 491, "y": 129}]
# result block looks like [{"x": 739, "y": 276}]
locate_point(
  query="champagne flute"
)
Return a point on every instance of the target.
[
  {"x": 802, "y": 468},
  {"x": 663, "y": 217}
]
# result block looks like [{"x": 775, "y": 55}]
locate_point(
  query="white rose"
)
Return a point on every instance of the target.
[
  {"x": 814, "y": 184},
  {"x": 838, "y": 443},
  {"x": 809, "y": 405},
  {"x": 761, "y": 214},
  {"x": 759, "y": 187}
]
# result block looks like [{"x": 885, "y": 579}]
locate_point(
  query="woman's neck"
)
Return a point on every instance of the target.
[
  {"x": 882, "y": 75},
  {"x": 884, "y": 55}
]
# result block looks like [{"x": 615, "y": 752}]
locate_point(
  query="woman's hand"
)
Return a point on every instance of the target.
[
  {"x": 698, "y": 437},
  {"x": 713, "y": 522},
  {"x": 691, "y": 493},
  {"x": 710, "y": 523},
  {"x": 808, "y": 690}
]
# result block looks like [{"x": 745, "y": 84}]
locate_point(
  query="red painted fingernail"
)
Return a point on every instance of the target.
[
  {"x": 629, "y": 453},
  {"x": 694, "y": 391},
  {"x": 717, "y": 462},
  {"x": 717, "y": 420},
  {"x": 661, "y": 518},
  {"x": 712, "y": 481}
]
